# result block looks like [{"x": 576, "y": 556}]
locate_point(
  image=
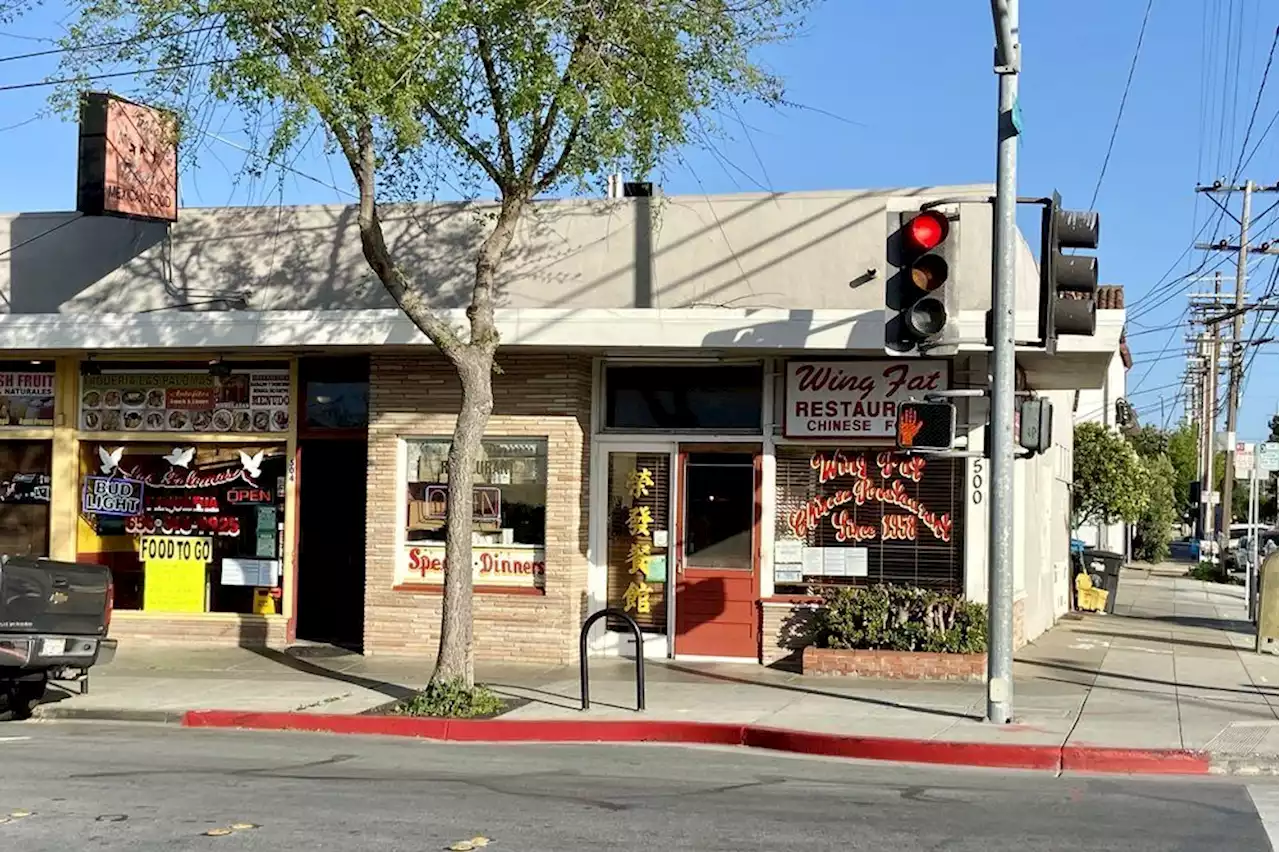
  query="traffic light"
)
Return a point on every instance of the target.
[
  {"x": 925, "y": 426},
  {"x": 1068, "y": 282},
  {"x": 922, "y": 254}
]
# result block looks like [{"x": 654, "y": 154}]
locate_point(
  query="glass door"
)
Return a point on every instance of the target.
[
  {"x": 715, "y": 586},
  {"x": 639, "y": 538}
]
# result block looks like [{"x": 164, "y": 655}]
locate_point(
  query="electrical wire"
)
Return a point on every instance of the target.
[
  {"x": 64, "y": 223},
  {"x": 1124, "y": 99},
  {"x": 55, "y": 51},
  {"x": 159, "y": 69}
]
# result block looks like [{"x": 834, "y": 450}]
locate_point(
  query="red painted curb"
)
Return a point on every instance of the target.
[
  {"x": 999, "y": 755},
  {"x": 1134, "y": 761},
  {"x": 991, "y": 755}
]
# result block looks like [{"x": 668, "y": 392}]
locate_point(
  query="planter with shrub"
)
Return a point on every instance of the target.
[{"x": 898, "y": 632}]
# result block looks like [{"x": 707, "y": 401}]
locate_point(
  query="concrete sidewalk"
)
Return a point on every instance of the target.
[{"x": 1172, "y": 669}]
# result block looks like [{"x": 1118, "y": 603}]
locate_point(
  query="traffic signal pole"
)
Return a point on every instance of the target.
[{"x": 1003, "y": 389}]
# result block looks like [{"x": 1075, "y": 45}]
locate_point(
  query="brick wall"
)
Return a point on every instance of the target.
[
  {"x": 894, "y": 665},
  {"x": 203, "y": 629},
  {"x": 537, "y": 395},
  {"x": 786, "y": 628}
]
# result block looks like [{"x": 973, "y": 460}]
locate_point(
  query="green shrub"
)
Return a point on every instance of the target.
[
  {"x": 900, "y": 618},
  {"x": 452, "y": 699}
]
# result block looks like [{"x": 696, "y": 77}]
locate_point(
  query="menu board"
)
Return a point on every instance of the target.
[
  {"x": 26, "y": 399},
  {"x": 253, "y": 401}
]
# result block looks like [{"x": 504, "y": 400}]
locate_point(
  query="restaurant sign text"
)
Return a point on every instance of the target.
[{"x": 854, "y": 399}]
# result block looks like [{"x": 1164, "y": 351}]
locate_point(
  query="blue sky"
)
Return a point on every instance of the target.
[{"x": 902, "y": 93}]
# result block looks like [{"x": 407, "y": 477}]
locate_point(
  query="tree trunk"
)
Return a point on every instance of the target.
[
  {"x": 456, "y": 658},
  {"x": 475, "y": 365}
]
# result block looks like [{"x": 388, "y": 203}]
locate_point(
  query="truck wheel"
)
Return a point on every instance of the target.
[{"x": 24, "y": 695}]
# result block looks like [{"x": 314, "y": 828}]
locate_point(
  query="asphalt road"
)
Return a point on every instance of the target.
[{"x": 96, "y": 786}]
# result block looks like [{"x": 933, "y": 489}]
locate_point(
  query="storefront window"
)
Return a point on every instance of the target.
[
  {"x": 213, "y": 399},
  {"x": 337, "y": 405},
  {"x": 24, "y": 497},
  {"x": 26, "y": 395},
  {"x": 850, "y": 516},
  {"x": 185, "y": 528},
  {"x": 509, "y": 526},
  {"x": 684, "y": 398}
]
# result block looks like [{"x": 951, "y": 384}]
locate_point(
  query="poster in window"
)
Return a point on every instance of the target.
[
  {"x": 249, "y": 401},
  {"x": 26, "y": 399}
]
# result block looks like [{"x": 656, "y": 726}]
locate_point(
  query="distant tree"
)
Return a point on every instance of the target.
[
  {"x": 1184, "y": 454},
  {"x": 1154, "y": 528},
  {"x": 1274, "y": 426},
  {"x": 1108, "y": 479},
  {"x": 1149, "y": 441}
]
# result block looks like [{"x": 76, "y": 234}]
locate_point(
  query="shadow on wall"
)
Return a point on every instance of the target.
[
  {"x": 670, "y": 252},
  {"x": 54, "y": 258}
]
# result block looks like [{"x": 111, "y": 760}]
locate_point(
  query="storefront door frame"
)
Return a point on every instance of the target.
[
  {"x": 600, "y": 641},
  {"x": 603, "y": 642}
]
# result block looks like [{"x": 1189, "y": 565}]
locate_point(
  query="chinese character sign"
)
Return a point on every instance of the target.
[{"x": 639, "y": 526}]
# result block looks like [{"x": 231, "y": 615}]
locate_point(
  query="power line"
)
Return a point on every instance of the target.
[
  {"x": 64, "y": 223},
  {"x": 1124, "y": 98},
  {"x": 137, "y": 39},
  {"x": 134, "y": 73}
]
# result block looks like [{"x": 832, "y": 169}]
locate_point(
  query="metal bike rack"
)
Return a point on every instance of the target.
[{"x": 582, "y": 655}]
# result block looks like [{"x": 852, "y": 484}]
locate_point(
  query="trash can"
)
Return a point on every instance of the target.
[{"x": 1104, "y": 567}]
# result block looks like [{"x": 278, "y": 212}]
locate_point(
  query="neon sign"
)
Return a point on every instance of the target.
[{"x": 866, "y": 487}]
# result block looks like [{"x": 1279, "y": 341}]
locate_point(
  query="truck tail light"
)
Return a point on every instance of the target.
[{"x": 111, "y": 603}]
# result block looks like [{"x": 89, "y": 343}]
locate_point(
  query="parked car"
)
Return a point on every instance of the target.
[{"x": 54, "y": 618}]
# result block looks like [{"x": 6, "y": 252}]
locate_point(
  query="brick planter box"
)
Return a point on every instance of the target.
[{"x": 897, "y": 665}]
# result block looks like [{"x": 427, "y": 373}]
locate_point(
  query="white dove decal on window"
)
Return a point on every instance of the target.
[
  {"x": 181, "y": 456},
  {"x": 110, "y": 460},
  {"x": 252, "y": 464}
]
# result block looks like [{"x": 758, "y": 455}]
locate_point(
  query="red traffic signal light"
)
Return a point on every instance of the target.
[
  {"x": 927, "y": 231},
  {"x": 920, "y": 251},
  {"x": 925, "y": 426}
]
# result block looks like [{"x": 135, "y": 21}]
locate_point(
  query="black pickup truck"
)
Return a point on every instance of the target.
[{"x": 54, "y": 618}]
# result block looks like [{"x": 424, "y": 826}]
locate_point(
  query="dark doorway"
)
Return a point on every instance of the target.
[
  {"x": 331, "y": 539},
  {"x": 333, "y": 452}
]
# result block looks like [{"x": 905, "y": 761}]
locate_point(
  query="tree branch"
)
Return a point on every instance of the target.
[
  {"x": 374, "y": 244},
  {"x": 542, "y": 134},
  {"x": 500, "y": 115},
  {"x": 456, "y": 135},
  {"x": 553, "y": 174}
]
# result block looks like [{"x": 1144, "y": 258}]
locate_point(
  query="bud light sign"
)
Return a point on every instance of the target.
[{"x": 116, "y": 496}]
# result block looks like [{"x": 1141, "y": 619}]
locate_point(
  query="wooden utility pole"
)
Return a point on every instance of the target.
[{"x": 1236, "y": 362}]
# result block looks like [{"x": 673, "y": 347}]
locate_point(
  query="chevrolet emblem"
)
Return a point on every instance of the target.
[{"x": 58, "y": 598}]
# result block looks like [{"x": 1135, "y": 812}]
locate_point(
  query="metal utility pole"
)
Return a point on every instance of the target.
[{"x": 1008, "y": 62}]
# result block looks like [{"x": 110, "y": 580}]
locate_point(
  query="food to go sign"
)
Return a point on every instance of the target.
[{"x": 855, "y": 399}]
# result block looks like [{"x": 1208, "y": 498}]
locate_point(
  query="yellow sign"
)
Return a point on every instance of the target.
[
  {"x": 175, "y": 550},
  {"x": 174, "y": 578},
  {"x": 169, "y": 587},
  {"x": 639, "y": 520}
]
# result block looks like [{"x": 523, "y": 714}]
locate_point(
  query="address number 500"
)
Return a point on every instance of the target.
[{"x": 158, "y": 548}]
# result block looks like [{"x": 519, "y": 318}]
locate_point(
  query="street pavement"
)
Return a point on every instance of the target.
[
  {"x": 120, "y": 787},
  {"x": 1173, "y": 668}
]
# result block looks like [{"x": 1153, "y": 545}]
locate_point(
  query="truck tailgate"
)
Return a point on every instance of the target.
[{"x": 45, "y": 596}]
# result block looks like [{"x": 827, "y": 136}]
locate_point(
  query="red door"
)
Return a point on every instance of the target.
[{"x": 717, "y": 553}]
